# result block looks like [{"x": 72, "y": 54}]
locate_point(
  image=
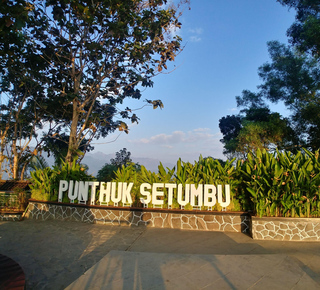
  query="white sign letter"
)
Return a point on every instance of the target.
[
  {"x": 63, "y": 186},
  {"x": 146, "y": 193},
  {"x": 126, "y": 193},
  {"x": 115, "y": 198},
  {"x": 186, "y": 195},
  {"x": 156, "y": 193},
  {"x": 210, "y": 193},
  {"x": 73, "y": 194},
  {"x": 170, "y": 187},
  {"x": 196, "y": 192},
  {"x": 227, "y": 193},
  {"x": 83, "y": 191},
  {"x": 105, "y": 189},
  {"x": 93, "y": 185}
]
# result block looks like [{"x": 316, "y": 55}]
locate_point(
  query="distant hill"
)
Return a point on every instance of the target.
[{"x": 96, "y": 160}]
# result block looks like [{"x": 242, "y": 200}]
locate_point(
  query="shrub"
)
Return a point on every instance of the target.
[{"x": 45, "y": 182}]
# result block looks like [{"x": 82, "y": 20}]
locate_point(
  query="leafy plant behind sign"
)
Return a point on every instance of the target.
[
  {"x": 45, "y": 182},
  {"x": 282, "y": 184},
  {"x": 269, "y": 184}
]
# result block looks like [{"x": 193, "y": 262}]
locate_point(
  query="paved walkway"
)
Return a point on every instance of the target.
[{"x": 59, "y": 255}]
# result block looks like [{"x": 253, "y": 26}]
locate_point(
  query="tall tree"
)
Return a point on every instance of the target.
[
  {"x": 254, "y": 128},
  {"x": 304, "y": 32},
  {"x": 123, "y": 157},
  {"x": 20, "y": 85},
  {"x": 101, "y": 53},
  {"x": 58, "y": 147},
  {"x": 230, "y": 127},
  {"x": 294, "y": 79}
]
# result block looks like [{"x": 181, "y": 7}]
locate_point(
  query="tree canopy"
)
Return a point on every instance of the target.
[
  {"x": 304, "y": 32},
  {"x": 100, "y": 54},
  {"x": 254, "y": 128},
  {"x": 291, "y": 77},
  {"x": 72, "y": 63},
  {"x": 122, "y": 159}
]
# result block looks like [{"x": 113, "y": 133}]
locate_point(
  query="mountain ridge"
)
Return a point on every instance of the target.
[{"x": 95, "y": 161}]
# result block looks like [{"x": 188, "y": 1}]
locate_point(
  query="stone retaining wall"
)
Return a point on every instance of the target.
[
  {"x": 178, "y": 219},
  {"x": 10, "y": 216},
  {"x": 266, "y": 228},
  {"x": 286, "y": 229}
]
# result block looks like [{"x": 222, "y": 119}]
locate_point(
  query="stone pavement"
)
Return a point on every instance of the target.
[{"x": 58, "y": 255}]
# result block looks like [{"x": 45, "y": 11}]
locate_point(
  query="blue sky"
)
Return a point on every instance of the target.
[{"x": 225, "y": 43}]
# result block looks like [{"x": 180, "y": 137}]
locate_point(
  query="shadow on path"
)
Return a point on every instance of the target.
[{"x": 54, "y": 254}]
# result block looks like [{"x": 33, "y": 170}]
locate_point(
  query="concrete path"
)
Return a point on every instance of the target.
[
  {"x": 59, "y": 255},
  {"x": 134, "y": 270}
]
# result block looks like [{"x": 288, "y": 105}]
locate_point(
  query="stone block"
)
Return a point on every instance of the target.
[
  {"x": 186, "y": 226},
  {"x": 301, "y": 226},
  {"x": 295, "y": 231},
  {"x": 202, "y": 225},
  {"x": 272, "y": 234},
  {"x": 258, "y": 227},
  {"x": 311, "y": 233},
  {"x": 270, "y": 226},
  {"x": 309, "y": 227},
  {"x": 296, "y": 237},
  {"x": 264, "y": 233},
  {"x": 146, "y": 216},
  {"x": 209, "y": 218},
  {"x": 184, "y": 219},
  {"x": 284, "y": 226},
  {"x": 278, "y": 237},
  {"x": 193, "y": 222},
  {"x": 167, "y": 221},
  {"x": 213, "y": 226},
  {"x": 287, "y": 237},
  {"x": 231, "y": 228},
  {"x": 257, "y": 236},
  {"x": 176, "y": 222},
  {"x": 158, "y": 222}
]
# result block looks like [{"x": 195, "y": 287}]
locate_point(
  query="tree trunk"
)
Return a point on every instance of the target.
[
  {"x": 73, "y": 142},
  {"x": 2, "y": 148},
  {"x": 2, "y": 157},
  {"x": 15, "y": 159}
]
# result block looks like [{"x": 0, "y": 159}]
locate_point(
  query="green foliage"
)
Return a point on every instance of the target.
[
  {"x": 122, "y": 158},
  {"x": 255, "y": 127},
  {"x": 107, "y": 172},
  {"x": 268, "y": 184},
  {"x": 188, "y": 206},
  {"x": 282, "y": 184},
  {"x": 58, "y": 147},
  {"x": 102, "y": 53},
  {"x": 205, "y": 171},
  {"x": 71, "y": 63},
  {"x": 304, "y": 31},
  {"x": 45, "y": 182}
]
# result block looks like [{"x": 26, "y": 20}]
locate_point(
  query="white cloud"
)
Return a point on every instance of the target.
[
  {"x": 196, "y": 31},
  {"x": 195, "y": 39},
  {"x": 162, "y": 139},
  {"x": 202, "y": 130},
  {"x": 177, "y": 137},
  {"x": 195, "y": 34}
]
